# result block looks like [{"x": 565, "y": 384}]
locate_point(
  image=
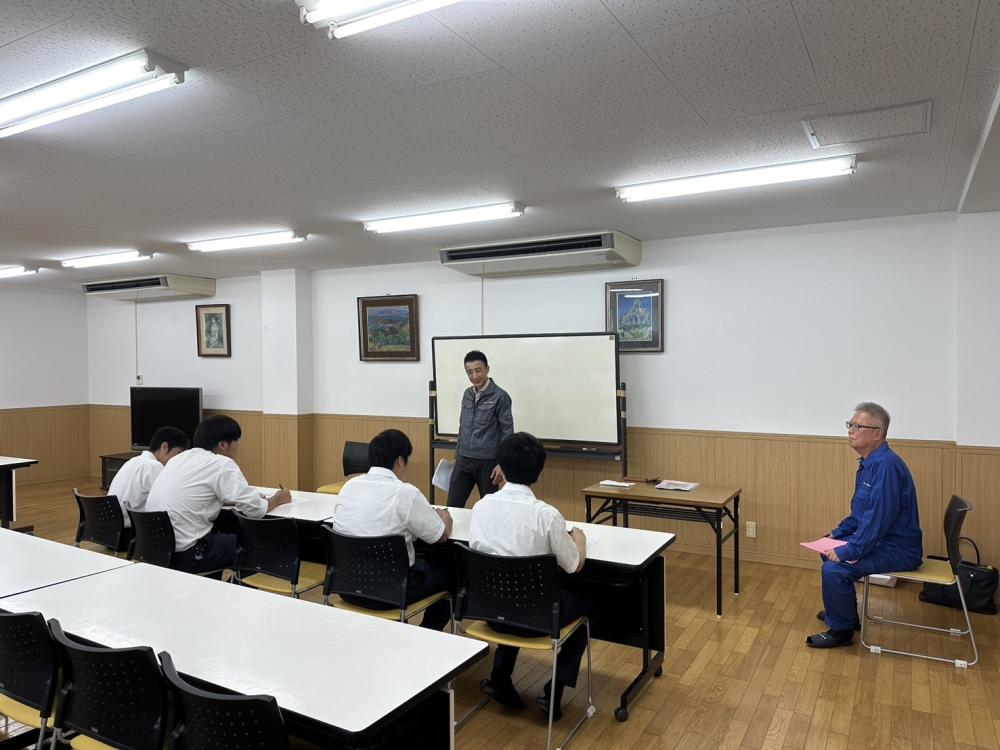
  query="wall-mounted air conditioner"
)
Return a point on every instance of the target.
[{"x": 152, "y": 288}]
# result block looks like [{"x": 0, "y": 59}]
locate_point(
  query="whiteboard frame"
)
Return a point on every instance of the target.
[{"x": 441, "y": 439}]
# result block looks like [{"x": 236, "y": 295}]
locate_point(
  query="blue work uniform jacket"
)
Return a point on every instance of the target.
[{"x": 883, "y": 512}]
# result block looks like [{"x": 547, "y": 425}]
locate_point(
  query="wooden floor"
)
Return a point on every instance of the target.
[{"x": 746, "y": 681}]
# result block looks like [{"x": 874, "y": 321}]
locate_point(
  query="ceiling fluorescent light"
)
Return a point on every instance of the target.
[
  {"x": 347, "y": 19},
  {"x": 708, "y": 183},
  {"x": 105, "y": 259},
  {"x": 250, "y": 240},
  {"x": 446, "y": 218},
  {"x": 133, "y": 75},
  {"x": 9, "y": 272}
]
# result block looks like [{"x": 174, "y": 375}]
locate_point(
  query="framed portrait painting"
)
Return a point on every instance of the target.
[
  {"x": 387, "y": 328},
  {"x": 214, "y": 339},
  {"x": 634, "y": 310}
]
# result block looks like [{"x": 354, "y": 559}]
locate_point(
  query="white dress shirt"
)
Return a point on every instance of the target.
[
  {"x": 379, "y": 504},
  {"x": 515, "y": 523},
  {"x": 132, "y": 482},
  {"x": 194, "y": 486}
]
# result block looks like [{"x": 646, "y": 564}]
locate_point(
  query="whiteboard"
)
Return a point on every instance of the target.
[{"x": 563, "y": 387}]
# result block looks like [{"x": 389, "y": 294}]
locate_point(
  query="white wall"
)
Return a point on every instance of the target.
[
  {"x": 767, "y": 331},
  {"x": 43, "y": 341},
  {"x": 977, "y": 409},
  {"x": 168, "y": 351}
]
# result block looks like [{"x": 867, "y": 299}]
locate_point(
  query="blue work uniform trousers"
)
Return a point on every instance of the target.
[{"x": 839, "y": 597}]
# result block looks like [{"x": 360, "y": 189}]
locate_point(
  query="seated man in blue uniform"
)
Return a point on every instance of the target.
[{"x": 882, "y": 533}]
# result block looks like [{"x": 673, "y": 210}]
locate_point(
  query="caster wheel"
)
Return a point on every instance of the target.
[
  {"x": 658, "y": 672},
  {"x": 621, "y": 714}
]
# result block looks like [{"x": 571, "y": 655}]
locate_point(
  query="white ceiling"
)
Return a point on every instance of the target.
[{"x": 547, "y": 102}]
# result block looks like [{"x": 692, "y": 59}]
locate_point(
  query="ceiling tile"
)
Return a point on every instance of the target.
[
  {"x": 739, "y": 63},
  {"x": 985, "y": 55},
  {"x": 977, "y": 100},
  {"x": 23, "y": 17},
  {"x": 773, "y": 138},
  {"x": 645, "y": 15}
]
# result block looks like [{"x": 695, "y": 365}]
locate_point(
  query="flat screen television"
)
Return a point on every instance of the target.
[{"x": 153, "y": 408}]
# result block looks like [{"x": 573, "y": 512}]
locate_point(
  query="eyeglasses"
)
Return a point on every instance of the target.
[{"x": 856, "y": 426}]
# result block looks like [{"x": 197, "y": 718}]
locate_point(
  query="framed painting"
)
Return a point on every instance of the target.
[
  {"x": 387, "y": 328},
  {"x": 214, "y": 338},
  {"x": 634, "y": 310}
]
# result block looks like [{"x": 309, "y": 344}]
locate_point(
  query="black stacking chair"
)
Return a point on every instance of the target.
[
  {"x": 102, "y": 522},
  {"x": 29, "y": 667},
  {"x": 522, "y": 592},
  {"x": 212, "y": 721},
  {"x": 154, "y": 538},
  {"x": 114, "y": 697},
  {"x": 269, "y": 557},
  {"x": 373, "y": 567},
  {"x": 355, "y": 458},
  {"x": 943, "y": 572}
]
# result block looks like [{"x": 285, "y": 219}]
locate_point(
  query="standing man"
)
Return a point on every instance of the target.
[
  {"x": 133, "y": 481},
  {"x": 484, "y": 422},
  {"x": 197, "y": 484},
  {"x": 882, "y": 532}
]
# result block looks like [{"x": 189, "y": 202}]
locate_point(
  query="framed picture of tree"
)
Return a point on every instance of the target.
[
  {"x": 634, "y": 310},
  {"x": 388, "y": 329}
]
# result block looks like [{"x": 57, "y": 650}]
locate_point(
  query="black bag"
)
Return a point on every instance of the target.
[{"x": 978, "y": 582}]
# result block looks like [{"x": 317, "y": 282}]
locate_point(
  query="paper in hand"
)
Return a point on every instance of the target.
[
  {"x": 442, "y": 474},
  {"x": 823, "y": 544}
]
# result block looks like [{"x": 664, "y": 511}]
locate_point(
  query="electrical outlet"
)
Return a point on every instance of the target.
[
  {"x": 138, "y": 379},
  {"x": 751, "y": 529}
]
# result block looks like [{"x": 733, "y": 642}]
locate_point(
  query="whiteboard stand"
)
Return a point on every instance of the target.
[{"x": 609, "y": 452}]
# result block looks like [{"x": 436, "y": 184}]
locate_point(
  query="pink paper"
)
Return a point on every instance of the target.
[{"x": 823, "y": 545}]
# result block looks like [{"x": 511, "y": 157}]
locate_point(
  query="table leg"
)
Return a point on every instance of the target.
[
  {"x": 736, "y": 546},
  {"x": 625, "y": 513},
  {"x": 652, "y": 664},
  {"x": 590, "y": 516},
  {"x": 718, "y": 564}
]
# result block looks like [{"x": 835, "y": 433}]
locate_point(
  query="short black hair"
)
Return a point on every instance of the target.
[
  {"x": 216, "y": 429},
  {"x": 173, "y": 437},
  {"x": 521, "y": 458},
  {"x": 387, "y": 446},
  {"x": 475, "y": 356}
]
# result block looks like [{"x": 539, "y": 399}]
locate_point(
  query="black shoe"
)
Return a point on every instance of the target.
[
  {"x": 542, "y": 701},
  {"x": 831, "y": 639},
  {"x": 821, "y": 615},
  {"x": 503, "y": 693}
]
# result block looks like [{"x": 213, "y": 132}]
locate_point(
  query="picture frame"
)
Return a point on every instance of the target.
[
  {"x": 388, "y": 328},
  {"x": 213, "y": 330},
  {"x": 634, "y": 310}
]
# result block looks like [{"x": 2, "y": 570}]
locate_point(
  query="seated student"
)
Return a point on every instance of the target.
[
  {"x": 512, "y": 521},
  {"x": 132, "y": 482},
  {"x": 196, "y": 485},
  {"x": 380, "y": 503}
]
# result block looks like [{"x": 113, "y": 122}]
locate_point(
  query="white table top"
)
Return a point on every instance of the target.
[
  {"x": 611, "y": 544},
  {"x": 305, "y": 506},
  {"x": 344, "y": 669},
  {"x": 29, "y": 562},
  {"x": 8, "y": 462}
]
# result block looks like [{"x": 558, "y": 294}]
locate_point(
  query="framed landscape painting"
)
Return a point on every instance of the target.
[
  {"x": 213, "y": 330},
  {"x": 387, "y": 328},
  {"x": 634, "y": 310}
]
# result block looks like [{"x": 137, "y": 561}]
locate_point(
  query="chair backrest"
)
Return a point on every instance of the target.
[
  {"x": 29, "y": 662},
  {"x": 154, "y": 537},
  {"x": 269, "y": 545},
  {"x": 101, "y": 521},
  {"x": 521, "y": 591},
  {"x": 114, "y": 695},
  {"x": 212, "y": 721},
  {"x": 954, "y": 517},
  {"x": 355, "y": 458},
  {"x": 376, "y": 567}
]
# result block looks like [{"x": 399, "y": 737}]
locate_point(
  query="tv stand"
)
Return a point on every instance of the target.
[{"x": 110, "y": 465}]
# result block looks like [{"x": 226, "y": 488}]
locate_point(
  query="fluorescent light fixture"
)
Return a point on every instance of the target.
[
  {"x": 347, "y": 18},
  {"x": 250, "y": 240},
  {"x": 104, "y": 259},
  {"x": 446, "y": 218},
  {"x": 708, "y": 183},
  {"x": 127, "y": 77},
  {"x": 9, "y": 272}
]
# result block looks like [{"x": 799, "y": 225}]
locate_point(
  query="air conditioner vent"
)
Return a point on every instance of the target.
[
  {"x": 149, "y": 288},
  {"x": 606, "y": 249}
]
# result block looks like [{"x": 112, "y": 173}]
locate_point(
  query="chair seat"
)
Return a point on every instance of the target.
[
  {"x": 484, "y": 632},
  {"x": 393, "y": 614},
  {"x": 310, "y": 575},
  {"x": 931, "y": 571},
  {"x": 19, "y": 712},
  {"x": 333, "y": 488},
  {"x": 80, "y": 742}
]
